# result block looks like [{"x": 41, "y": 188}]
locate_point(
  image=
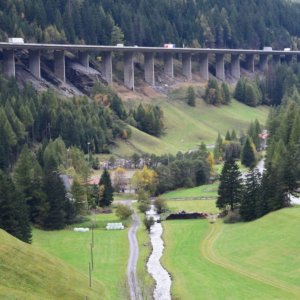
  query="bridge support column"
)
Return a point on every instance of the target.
[
  {"x": 220, "y": 66},
  {"x": 203, "y": 63},
  {"x": 59, "y": 65},
  {"x": 106, "y": 67},
  {"x": 9, "y": 66},
  {"x": 263, "y": 62},
  {"x": 250, "y": 62},
  {"x": 35, "y": 63},
  {"x": 168, "y": 65},
  {"x": 288, "y": 59},
  {"x": 149, "y": 67},
  {"x": 128, "y": 70},
  {"x": 84, "y": 59},
  {"x": 187, "y": 65},
  {"x": 276, "y": 59},
  {"x": 235, "y": 66}
]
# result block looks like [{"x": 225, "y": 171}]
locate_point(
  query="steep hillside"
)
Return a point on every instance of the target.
[
  {"x": 187, "y": 127},
  {"x": 26, "y": 272}
]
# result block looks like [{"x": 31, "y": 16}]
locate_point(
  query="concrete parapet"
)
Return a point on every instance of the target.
[
  {"x": 149, "y": 67},
  {"x": 203, "y": 65},
  {"x": 35, "y": 63},
  {"x": 220, "y": 66},
  {"x": 263, "y": 62},
  {"x": 187, "y": 65},
  {"x": 250, "y": 62},
  {"x": 168, "y": 64},
  {"x": 84, "y": 59},
  {"x": 106, "y": 66},
  {"x": 9, "y": 66},
  {"x": 59, "y": 65},
  {"x": 129, "y": 70},
  {"x": 235, "y": 66}
]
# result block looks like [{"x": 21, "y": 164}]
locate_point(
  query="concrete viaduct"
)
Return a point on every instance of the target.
[{"x": 201, "y": 55}]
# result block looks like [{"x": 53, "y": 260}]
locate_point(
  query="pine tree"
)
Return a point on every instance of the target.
[
  {"x": 230, "y": 188},
  {"x": 107, "y": 195},
  {"x": 55, "y": 191},
  {"x": 13, "y": 213},
  {"x": 228, "y": 136},
  {"x": 251, "y": 195},
  {"x": 191, "y": 96},
  {"x": 248, "y": 155}
]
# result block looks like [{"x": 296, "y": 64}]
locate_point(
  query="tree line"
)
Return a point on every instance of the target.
[
  {"x": 251, "y": 24},
  {"x": 260, "y": 194}
]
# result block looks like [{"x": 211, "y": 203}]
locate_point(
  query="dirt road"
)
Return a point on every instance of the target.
[{"x": 135, "y": 293}]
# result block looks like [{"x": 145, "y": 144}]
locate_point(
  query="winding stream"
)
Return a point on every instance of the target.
[{"x": 162, "y": 289}]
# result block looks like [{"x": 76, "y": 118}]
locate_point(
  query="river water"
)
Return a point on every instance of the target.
[{"x": 162, "y": 289}]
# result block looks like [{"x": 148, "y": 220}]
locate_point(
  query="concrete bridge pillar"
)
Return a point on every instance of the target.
[
  {"x": 250, "y": 62},
  {"x": 84, "y": 58},
  {"x": 149, "y": 67},
  {"x": 168, "y": 65},
  {"x": 9, "y": 65},
  {"x": 106, "y": 67},
  {"x": 187, "y": 65},
  {"x": 235, "y": 66},
  {"x": 203, "y": 63},
  {"x": 288, "y": 58},
  {"x": 128, "y": 70},
  {"x": 263, "y": 62},
  {"x": 220, "y": 66},
  {"x": 60, "y": 65},
  {"x": 35, "y": 63},
  {"x": 276, "y": 59}
]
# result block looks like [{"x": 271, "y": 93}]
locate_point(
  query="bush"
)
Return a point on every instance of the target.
[
  {"x": 160, "y": 205},
  {"x": 148, "y": 223},
  {"x": 144, "y": 206},
  {"x": 123, "y": 211},
  {"x": 232, "y": 217}
]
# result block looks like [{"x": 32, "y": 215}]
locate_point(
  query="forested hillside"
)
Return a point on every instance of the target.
[{"x": 153, "y": 22}]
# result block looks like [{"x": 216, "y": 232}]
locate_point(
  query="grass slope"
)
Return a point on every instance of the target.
[
  {"x": 208, "y": 190},
  {"x": 239, "y": 261},
  {"x": 208, "y": 206},
  {"x": 110, "y": 252},
  {"x": 26, "y": 272},
  {"x": 187, "y": 127}
]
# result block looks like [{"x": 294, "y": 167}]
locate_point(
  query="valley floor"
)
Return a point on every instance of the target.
[{"x": 256, "y": 260}]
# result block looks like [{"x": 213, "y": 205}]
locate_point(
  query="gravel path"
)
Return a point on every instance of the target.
[{"x": 135, "y": 293}]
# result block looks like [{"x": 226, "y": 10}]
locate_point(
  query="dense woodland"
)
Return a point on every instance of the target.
[{"x": 216, "y": 23}]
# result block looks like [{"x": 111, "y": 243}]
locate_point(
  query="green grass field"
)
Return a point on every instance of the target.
[
  {"x": 27, "y": 272},
  {"x": 256, "y": 260},
  {"x": 110, "y": 251},
  {"x": 208, "y": 206},
  {"x": 187, "y": 127},
  {"x": 207, "y": 190}
]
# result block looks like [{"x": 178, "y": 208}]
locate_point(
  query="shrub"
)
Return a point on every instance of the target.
[
  {"x": 160, "y": 205},
  {"x": 148, "y": 222},
  {"x": 123, "y": 211}
]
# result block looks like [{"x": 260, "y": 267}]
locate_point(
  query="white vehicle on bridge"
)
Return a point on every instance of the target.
[
  {"x": 267, "y": 49},
  {"x": 170, "y": 46},
  {"x": 287, "y": 49},
  {"x": 15, "y": 40}
]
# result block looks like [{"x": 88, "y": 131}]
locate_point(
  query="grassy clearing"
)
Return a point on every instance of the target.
[
  {"x": 208, "y": 190},
  {"x": 26, "y": 272},
  {"x": 110, "y": 251},
  {"x": 208, "y": 206},
  {"x": 205, "y": 278},
  {"x": 272, "y": 243},
  {"x": 187, "y": 127},
  {"x": 247, "y": 260}
]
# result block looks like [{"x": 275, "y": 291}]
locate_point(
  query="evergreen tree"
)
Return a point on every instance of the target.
[
  {"x": 13, "y": 213},
  {"x": 226, "y": 93},
  {"x": 55, "y": 191},
  {"x": 228, "y": 136},
  {"x": 191, "y": 96},
  {"x": 251, "y": 196},
  {"x": 230, "y": 188},
  {"x": 107, "y": 194},
  {"x": 248, "y": 155}
]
